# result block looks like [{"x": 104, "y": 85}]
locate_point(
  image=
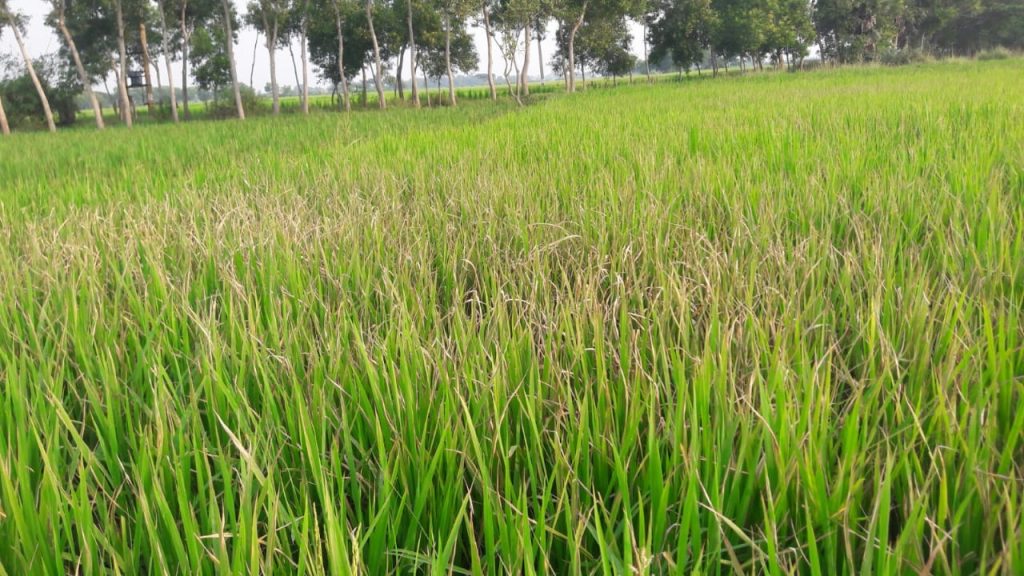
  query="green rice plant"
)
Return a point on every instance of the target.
[{"x": 767, "y": 324}]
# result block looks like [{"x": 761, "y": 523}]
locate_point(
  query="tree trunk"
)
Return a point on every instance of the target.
[
  {"x": 252, "y": 69},
  {"x": 379, "y": 70},
  {"x": 490, "y": 54},
  {"x": 5, "y": 128},
  {"x": 83, "y": 76},
  {"x": 32, "y": 74},
  {"x": 295, "y": 71},
  {"x": 515, "y": 68},
  {"x": 647, "y": 55},
  {"x": 399, "y": 85},
  {"x": 412, "y": 55},
  {"x": 229, "y": 42},
  {"x": 304, "y": 56},
  {"x": 185, "y": 39},
  {"x": 271, "y": 45},
  {"x": 122, "y": 67},
  {"x": 366, "y": 102},
  {"x": 510, "y": 64},
  {"x": 524, "y": 79},
  {"x": 167, "y": 60},
  {"x": 347, "y": 103},
  {"x": 448, "y": 58},
  {"x": 426, "y": 86},
  {"x": 572, "y": 48},
  {"x": 150, "y": 103},
  {"x": 540, "y": 55}
]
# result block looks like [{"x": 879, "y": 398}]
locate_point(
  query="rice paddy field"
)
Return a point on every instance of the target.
[{"x": 770, "y": 324}]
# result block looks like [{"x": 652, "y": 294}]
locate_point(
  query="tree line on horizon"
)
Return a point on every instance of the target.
[{"x": 346, "y": 39}]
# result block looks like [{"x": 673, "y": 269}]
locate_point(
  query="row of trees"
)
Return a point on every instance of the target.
[
  {"x": 696, "y": 32},
  {"x": 347, "y": 38}
]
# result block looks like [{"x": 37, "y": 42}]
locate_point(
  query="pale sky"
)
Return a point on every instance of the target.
[{"x": 41, "y": 39}]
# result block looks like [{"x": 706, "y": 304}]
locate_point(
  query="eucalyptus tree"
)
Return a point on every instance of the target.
[
  {"x": 453, "y": 15},
  {"x": 518, "y": 15},
  {"x": 16, "y": 22},
  {"x": 147, "y": 61},
  {"x": 269, "y": 17},
  {"x": 420, "y": 32},
  {"x": 166, "y": 50},
  {"x": 229, "y": 45},
  {"x": 529, "y": 11},
  {"x": 571, "y": 14},
  {"x": 339, "y": 43},
  {"x": 506, "y": 36},
  {"x": 189, "y": 16},
  {"x": 411, "y": 12},
  {"x": 340, "y": 10},
  {"x": 301, "y": 12},
  {"x": 124, "y": 106},
  {"x": 540, "y": 33},
  {"x": 455, "y": 52},
  {"x": 378, "y": 66},
  {"x": 486, "y": 8},
  {"x": 133, "y": 18},
  {"x": 58, "y": 20}
]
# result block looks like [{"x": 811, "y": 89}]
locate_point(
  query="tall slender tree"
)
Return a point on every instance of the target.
[
  {"x": 229, "y": 45},
  {"x": 338, "y": 7},
  {"x": 539, "y": 33},
  {"x": 16, "y": 22},
  {"x": 186, "y": 40},
  {"x": 572, "y": 14},
  {"x": 144, "y": 46},
  {"x": 486, "y": 7},
  {"x": 302, "y": 9},
  {"x": 58, "y": 19},
  {"x": 453, "y": 15},
  {"x": 124, "y": 106},
  {"x": 524, "y": 76},
  {"x": 165, "y": 48},
  {"x": 191, "y": 15},
  {"x": 412, "y": 53},
  {"x": 378, "y": 75},
  {"x": 269, "y": 17}
]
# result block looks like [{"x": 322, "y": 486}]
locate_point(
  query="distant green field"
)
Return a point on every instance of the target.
[
  {"x": 771, "y": 324},
  {"x": 431, "y": 96}
]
